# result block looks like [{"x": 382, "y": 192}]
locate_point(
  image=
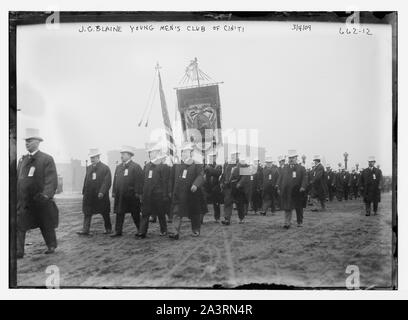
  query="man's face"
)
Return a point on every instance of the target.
[
  {"x": 185, "y": 154},
  {"x": 371, "y": 164},
  {"x": 282, "y": 163},
  {"x": 328, "y": 168},
  {"x": 292, "y": 160},
  {"x": 268, "y": 164},
  {"x": 32, "y": 145},
  {"x": 153, "y": 154},
  {"x": 316, "y": 162},
  {"x": 125, "y": 156},
  {"x": 94, "y": 160}
]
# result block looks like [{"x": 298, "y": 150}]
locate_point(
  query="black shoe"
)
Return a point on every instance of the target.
[
  {"x": 241, "y": 221},
  {"x": 116, "y": 235},
  {"x": 162, "y": 234},
  {"x": 169, "y": 221},
  {"x": 109, "y": 231},
  {"x": 83, "y": 233},
  {"x": 152, "y": 220},
  {"x": 140, "y": 236},
  {"x": 286, "y": 227},
  {"x": 174, "y": 236},
  {"x": 263, "y": 213},
  {"x": 196, "y": 234},
  {"x": 225, "y": 222},
  {"x": 50, "y": 250}
]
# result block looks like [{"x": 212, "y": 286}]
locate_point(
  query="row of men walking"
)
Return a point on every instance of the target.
[{"x": 180, "y": 191}]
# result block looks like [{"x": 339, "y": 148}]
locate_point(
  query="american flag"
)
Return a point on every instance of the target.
[{"x": 166, "y": 119}]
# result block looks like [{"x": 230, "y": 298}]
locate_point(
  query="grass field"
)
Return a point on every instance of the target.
[{"x": 259, "y": 251}]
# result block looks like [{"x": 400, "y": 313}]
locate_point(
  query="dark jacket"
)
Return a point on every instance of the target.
[
  {"x": 241, "y": 184},
  {"x": 270, "y": 179},
  {"x": 290, "y": 181},
  {"x": 127, "y": 187},
  {"x": 318, "y": 182},
  {"x": 97, "y": 180},
  {"x": 212, "y": 174},
  {"x": 185, "y": 202},
  {"x": 156, "y": 184},
  {"x": 36, "y": 177},
  {"x": 370, "y": 183}
]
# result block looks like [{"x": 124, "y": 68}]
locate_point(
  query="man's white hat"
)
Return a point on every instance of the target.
[
  {"x": 317, "y": 157},
  {"x": 242, "y": 160},
  {"x": 127, "y": 149},
  {"x": 371, "y": 158},
  {"x": 281, "y": 158},
  {"x": 33, "y": 133},
  {"x": 155, "y": 147},
  {"x": 292, "y": 153},
  {"x": 93, "y": 152},
  {"x": 328, "y": 165},
  {"x": 268, "y": 159}
]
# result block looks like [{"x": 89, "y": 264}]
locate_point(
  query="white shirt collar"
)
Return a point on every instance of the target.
[{"x": 33, "y": 153}]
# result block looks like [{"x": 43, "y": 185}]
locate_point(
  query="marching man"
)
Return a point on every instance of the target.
[
  {"x": 37, "y": 182},
  {"x": 212, "y": 172},
  {"x": 319, "y": 183},
  {"x": 269, "y": 185},
  {"x": 370, "y": 184},
  {"x": 227, "y": 187},
  {"x": 95, "y": 193},
  {"x": 185, "y": 184},
  {"x": 127, "y": 190},
  {"x": 292, "y": 186},
  {"x": 155, "y": 193}
]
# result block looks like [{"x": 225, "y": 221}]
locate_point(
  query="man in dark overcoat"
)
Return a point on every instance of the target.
[
  {"x": 339, "y": 183},
  {"x": 318, "y": 183},
  {"x": 370, "y": 186},
  {"x": 127, "y": 190},
  {"x": 256, "y": 187},
  {"x": 292, "y": 186},
  {"x": 330, "y": 180},
  {"x": 353, "y": 183},
  {"x": 270, "y": 176},
  {"x": 240, "y": 184},
  {"x": 212, "y": 174},
  {"x": 95, "y": 193},
  {"x": 37, "y": 182},
  {"x": 186, "y": 187},
  {"x": 227, "y": 187},
  {"x": 155, "y": 191}
]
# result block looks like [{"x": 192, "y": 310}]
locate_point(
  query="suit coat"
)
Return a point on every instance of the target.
[
  {"x": 212, "y": 174},
  {"x": 185, "y": 202},
  {"x": 330, "y": 179},
  {"x": 98, "y": 179},
  {"x": 127, "y": 187},
  {"x": 290, "y": 181},
  {"x": 318, "y": 182},
  {"x": 241, "y": 184},
  {"x": 270, "y": 179},
  {"x": 36, "y": 177},
  {"x": 155, "y": 186},
  {"x": 370, "y": 183}
]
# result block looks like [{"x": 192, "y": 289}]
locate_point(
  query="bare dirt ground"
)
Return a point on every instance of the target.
[{"x": 259, "y": 251}]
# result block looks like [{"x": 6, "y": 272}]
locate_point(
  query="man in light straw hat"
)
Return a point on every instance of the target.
[
  {"x": 269, "y": 185},
  {"x": 37, "y": 182},
  {"x": 95, "y": 191},
  {"x": 370, "y": 184},
  {"x": 292, "y": 186},
  {"x": 127, "y": 190},
  {"x": 185, "y": 183},
  {"x": 155, "y": 191}
]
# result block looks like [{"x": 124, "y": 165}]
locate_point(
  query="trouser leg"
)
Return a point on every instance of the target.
[
  {"x": 162, "y": 216},
  {"x": 120, "y": 218},
  {"x": 195, "y": 223},
  {"x": 177, "y": 220},
  {"x": 228, "y": 202},
  {"x": 368, "y": 207},
  {"x": 21, "y": 234},
  {"x": 144, "y": 223},
  {"x": 107, "y": 221},
  {"x": 299, "y": 215},
  {"x": 47, "y": 229},
  {"x": 136, "y": 218},
  {"x": 217, "y": 211},
  {"x": 288, "y": 217},
  {"x": 87, "y": 223},
  {"x": 267, "y": 203},
  {"x": 375, "y": 206}
]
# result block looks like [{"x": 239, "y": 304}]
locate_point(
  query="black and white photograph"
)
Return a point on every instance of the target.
[{"x": 203, "y": 150}]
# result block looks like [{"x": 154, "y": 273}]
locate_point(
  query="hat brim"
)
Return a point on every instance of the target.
[
  {"x": 33, "y": 138},
  {"x": 126, "y": 151},
  {"x": 93, "y": 155}
]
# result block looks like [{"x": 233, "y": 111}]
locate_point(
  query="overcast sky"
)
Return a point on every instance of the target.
[{"x": 316, "y": 91}]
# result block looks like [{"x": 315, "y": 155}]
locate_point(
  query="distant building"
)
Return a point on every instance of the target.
[{"x": 72, "y": 175}]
